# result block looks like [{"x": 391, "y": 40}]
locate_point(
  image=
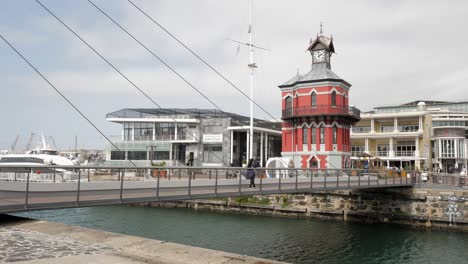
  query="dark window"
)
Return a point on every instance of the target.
[
  {"x": 334, "y": 134},
  {"x": 333, "y": 98},
  {"x": 313, "y": 99},
  {"x": 314, "y": 135},
  {"x": 304, "y": 135},
  {"x": 164, "y": 131},
  {"x": 160, "y": 155},
  {"x": 143, "y": 131},
  {"x": 137, "y": 155},
  {"x": 127, "y": 131},
  {"x": 21, "y": 160},
  {"x": 288, "y": 101},
  {"x": 322, "y": 134},
  {"x": 212, "y": 153},
  {"x": 117, "y": 155}
]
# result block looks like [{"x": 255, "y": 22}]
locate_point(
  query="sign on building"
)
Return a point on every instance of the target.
[{"x": 212, "y": 138}]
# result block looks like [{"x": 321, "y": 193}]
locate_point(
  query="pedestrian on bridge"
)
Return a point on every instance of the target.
[{"x": 251, "y": 173}]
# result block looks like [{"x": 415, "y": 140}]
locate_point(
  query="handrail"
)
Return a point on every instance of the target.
[{"x": 322, "y": 110}]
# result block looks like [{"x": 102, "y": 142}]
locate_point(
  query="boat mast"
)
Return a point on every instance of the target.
[{"x": 252, "y": 67}]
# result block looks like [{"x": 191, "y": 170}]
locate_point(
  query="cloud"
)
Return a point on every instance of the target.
[{"x": 390, "y": 51}]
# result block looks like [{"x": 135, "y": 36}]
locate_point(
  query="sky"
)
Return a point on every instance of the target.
[{"x": 391, "y": 52}]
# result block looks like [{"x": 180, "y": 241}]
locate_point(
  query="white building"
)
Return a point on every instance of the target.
[
  {"x": 421, "y": 134},
  {"x": 199, "y": 137}
]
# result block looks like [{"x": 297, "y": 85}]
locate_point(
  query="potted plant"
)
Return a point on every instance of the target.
[{"x": 163, "y": 171}]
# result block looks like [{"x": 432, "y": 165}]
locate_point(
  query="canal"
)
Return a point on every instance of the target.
[{"x": 285, "y": 239}]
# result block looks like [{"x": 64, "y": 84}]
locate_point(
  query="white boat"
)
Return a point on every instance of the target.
[{"x": 38, "y": 157}]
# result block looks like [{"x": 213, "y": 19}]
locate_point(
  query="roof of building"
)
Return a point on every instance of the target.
[
  {"x": 318, "y": 73},
  {"x": 324, "y": 40},
  {"x": 237, "y": 120}
]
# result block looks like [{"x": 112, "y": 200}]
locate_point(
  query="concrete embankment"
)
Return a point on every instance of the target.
[
  {"x": 40, "y": 242},
  {"x": 436, "y": 207}
]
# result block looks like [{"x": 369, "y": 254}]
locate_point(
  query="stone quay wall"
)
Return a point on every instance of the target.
[{"x": 421, "y": 207}]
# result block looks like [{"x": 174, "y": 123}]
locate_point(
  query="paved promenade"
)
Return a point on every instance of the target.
[{"x": 40, "y": 242}]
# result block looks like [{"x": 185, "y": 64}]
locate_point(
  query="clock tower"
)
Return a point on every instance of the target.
[{"x": 316, "y": 114}]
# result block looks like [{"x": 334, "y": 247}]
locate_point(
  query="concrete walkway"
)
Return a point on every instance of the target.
[{"x": 30, "y": 241}]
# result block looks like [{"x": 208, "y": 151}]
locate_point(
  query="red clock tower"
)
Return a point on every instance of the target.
[{"x": 316, "y": 115}]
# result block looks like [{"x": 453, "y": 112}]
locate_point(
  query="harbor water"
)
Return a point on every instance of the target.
[{"x": 285, "y": 239}]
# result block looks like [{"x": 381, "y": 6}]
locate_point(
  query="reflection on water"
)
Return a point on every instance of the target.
[{"x": 285, "y": 239}]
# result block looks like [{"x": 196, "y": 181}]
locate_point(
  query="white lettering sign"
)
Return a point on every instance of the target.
[{"x": 212, "y": 138}]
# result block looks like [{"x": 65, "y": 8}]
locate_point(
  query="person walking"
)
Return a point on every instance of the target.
[{"x": 251, "y": 173}]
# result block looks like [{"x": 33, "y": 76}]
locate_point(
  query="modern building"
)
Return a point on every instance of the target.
[
  {"x": 420, "y": 134},
  {"x": 199, "y": 137},
  {"x": 316, "y": 114}
]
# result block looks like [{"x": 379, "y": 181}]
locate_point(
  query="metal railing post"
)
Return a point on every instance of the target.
[
  {"x": 190, "y": 185},
  {"x": 393, "y": 177},
  {"x": 386, "y": 177},
  {"x": 359, "y": 180},
  {"x": 121, "y": 187},
  {"x": 157, "y": 188},
  {"x": 240, "y": 178},
  {"x": 337, "y": 179},
  {"x": 311, "y": 179},
  {"x": 77, "y": 203},
  {"x": 26, "y": 201},
  {"x": 295, "y": 187},
  {"x": 368, "y": 179},
  {"x": 88, "y": 176},
  {"x": 349, "y": 180},
  {"x": 325, "y": 179},
  {"x": 179, "y": 172},
  {"x": 261, "y": 184},
  {"x": 209, "y": 173},
  {"x": 279, "y": 183},
  {"x": 216, "y": 183},
  {"x": 401, "y": 179},
  {"x": 55, "y": 172}
]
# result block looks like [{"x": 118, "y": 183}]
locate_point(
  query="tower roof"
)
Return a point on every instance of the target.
[
  {"x": 327, "y": 42},
  {"x": 318, "y": 73}
]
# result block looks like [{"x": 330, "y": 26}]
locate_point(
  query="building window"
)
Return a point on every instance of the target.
[
  {"x": 143, "y": 131},
  {"x": 355, "y": 150},
  {"x": 117, "y": 155},
  {"x": 213, "y": 129},
  {"x": 164, "y": 131},
  {"x": 314, "y": 135},
  {"x": 137, "y": 155},
  {"x": 158, "y": 155},
  {"x": 405, "y": 149},
  {"x": 288, "y": 101},
  {"x": 313, "y": 99},
  {"x": 333, "y": 98},
  {"x": 322, "y": 134},
  {"x": 447, "y": 148},
  {"x": 213, "y": 153},
  {"x": 127, "y": 131},
  {"x": 304, "y": 135},
  {"x": 335, "y": 131}
]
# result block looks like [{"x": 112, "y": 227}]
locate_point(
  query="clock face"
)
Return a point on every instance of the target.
[{"x": 319, "y": 56}]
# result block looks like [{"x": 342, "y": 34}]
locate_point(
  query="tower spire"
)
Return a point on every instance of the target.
[{"x": 321, "y": 31}]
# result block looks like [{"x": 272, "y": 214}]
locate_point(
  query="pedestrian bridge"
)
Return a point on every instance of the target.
[{"x": 24, "y": 188}]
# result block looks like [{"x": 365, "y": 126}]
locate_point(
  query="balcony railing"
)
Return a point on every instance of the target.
[{"x": 320, "y": 110}]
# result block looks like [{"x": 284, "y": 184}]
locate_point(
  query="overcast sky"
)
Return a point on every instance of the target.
[{"x": 391, "y": 52}]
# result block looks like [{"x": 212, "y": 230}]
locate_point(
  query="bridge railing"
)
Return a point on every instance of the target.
[
  {"x": 441, "y": 179},
  {"x": 45, "y": 187}
]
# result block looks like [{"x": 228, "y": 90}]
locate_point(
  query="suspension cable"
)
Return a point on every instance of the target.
[
  {"x": 199, "y": 57},
  {"x": 59, "y": 92},
  {"x": 122, "y": 74}
]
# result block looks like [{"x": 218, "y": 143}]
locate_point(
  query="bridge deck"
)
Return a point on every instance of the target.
[{"x": 18, "y": 196}]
